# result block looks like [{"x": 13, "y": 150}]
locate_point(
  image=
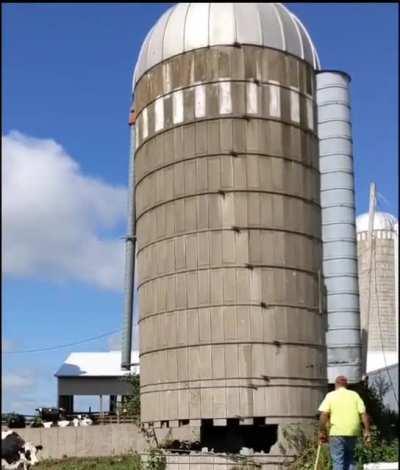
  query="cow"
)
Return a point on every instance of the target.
[
  {"x": 16, "y": 454},
  {"x": 81, "y": 421},
  {"x": 75, "y": 422},
  {"x": 63, "y": 424},
  {"x": 85, "y": 421}
]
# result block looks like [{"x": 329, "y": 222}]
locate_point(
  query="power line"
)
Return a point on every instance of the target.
[
  {"x": 381, "y": 197},
  {"x": 61, "y": 346}
]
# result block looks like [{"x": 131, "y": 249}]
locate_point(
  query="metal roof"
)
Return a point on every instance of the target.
[
  {"x": 382, "y": 221},
  {"x": 188, "y": 26},
  {"x": 100, "y": 364}
]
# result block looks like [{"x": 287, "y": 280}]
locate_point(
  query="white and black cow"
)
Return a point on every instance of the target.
[
  {"x": 16, "y": 454},
  {"x": 81, "y": 421}
]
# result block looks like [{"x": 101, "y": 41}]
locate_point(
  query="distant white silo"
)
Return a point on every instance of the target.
[{"x": 379, "y": 288}]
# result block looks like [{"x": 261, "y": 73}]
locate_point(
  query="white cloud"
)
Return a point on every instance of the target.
[
  {"x": 17, "y": 381},
  {"x": 25, "y": 389},
  {"x": 53, "y": 216}
]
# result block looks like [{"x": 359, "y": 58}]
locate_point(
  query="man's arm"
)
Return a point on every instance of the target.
[
  {"x": 323, "y": 426},
  {"x": 365, "y": 422},
  {"x": 364, "y": 418},
  {"x": 324, "y": 417}
]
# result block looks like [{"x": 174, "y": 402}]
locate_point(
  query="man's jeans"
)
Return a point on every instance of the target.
[{"x": 342, "y": 452}]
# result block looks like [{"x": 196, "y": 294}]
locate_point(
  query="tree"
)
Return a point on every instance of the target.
[
  {"x": 385, "y": 420},
  {"x": 131, "y": 404}
]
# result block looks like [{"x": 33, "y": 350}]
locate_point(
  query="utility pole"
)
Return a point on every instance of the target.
[{"x": 371, "y": 218}]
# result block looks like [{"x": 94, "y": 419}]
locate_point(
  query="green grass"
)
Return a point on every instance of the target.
[{"x": 95, "y": 463}]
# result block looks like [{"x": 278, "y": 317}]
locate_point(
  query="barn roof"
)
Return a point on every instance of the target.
[{"x": 96, "y": 364}]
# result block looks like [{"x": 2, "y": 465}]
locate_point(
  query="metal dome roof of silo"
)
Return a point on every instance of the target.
[
  {"x": 188, "y": 26},
  {"x": 382, "y": 221}
]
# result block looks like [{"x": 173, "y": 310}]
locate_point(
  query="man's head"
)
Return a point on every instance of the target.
[{"x": 341, "y": 382}]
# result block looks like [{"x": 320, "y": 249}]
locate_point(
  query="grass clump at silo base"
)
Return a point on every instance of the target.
[{"x": 131, "y": 462}]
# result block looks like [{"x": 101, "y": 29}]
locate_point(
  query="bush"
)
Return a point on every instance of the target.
[
  {"x": 379, "y": 450},
  {"x": 155, "y": 460},
  {"x": 385, "y": 420},
  {"x": 37, "y": 422},
  {"x": 131, "y": 406},
  {"x": 384, "y": 432},
  {"x": 306, "y": 446}
]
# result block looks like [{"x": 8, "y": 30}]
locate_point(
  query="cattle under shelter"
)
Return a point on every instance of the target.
[{"x": 94, "y": 373}]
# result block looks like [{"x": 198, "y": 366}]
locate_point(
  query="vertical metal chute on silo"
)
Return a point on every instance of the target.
[
  {"x": 130, "y": 247},
  {"x": 338, "y": 226}
]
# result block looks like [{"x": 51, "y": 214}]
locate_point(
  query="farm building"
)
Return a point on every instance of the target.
[{"x": 94, "y": 373}]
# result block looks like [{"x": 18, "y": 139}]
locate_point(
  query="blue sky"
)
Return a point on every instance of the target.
[{"x": 66, "y": 87}]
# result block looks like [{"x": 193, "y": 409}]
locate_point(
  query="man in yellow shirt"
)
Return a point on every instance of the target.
[{"x": 342, "y": 412}]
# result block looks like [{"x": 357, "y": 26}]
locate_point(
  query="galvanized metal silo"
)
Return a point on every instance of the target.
[
  {"x": 343, "y": 338},
  {"x": 228, "y": 218}
]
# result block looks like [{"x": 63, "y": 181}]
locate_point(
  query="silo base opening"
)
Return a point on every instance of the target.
[{"x": 234, "y": 436}]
